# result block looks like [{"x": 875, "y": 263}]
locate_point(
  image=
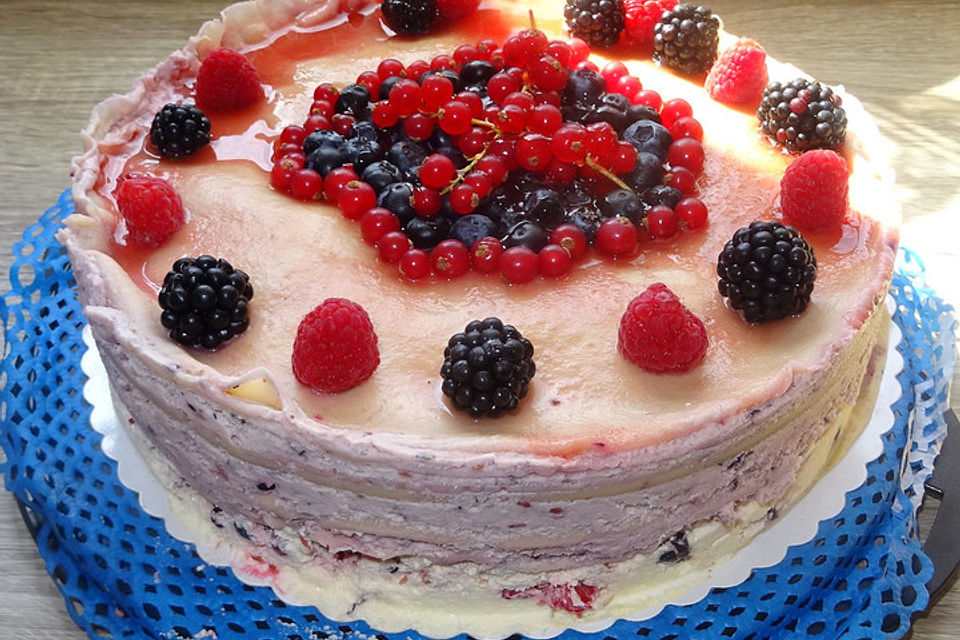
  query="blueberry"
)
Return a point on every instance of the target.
[
  {"x": 407, "y": 156},
  {"x": 396, "y": 197},
  {"x": 647, "y": 172},
  {"x": 606, "y": 113},
  {"x": 584, "y": 86},
  {"x": 380, "y": 174},
  {"x": 321, "y": 138},
  {"x": 637, "y": 112},
  {"x": 449, "y": 74},
  {"x": 384, "y": 92},
  {"x": 577, "y": 196},
  {"x": 618, "y": 101},
  {"x": 587, "y": 219},
  {"x": 622, "y": 202},
  {"x": 544, "y": 207},
  {"x": 575, "y": 112},
  {"x": 426, "y": 233},
  {"x": 366, "y": 131},
  {"x": 648, "y": 137},
  {"x": 362, "y": 154},
  {"x": 454, "y": 154},
  {"x": 355, "y": 100},
  {"x": 439, "y": 139},
  {"x": 325, "y": 159},
  {"x": 477, "y": 72},
  {"x": 526, "y": 234},
  {"x": 662, "y": 194},
  {"x": 471, "y": 227}
]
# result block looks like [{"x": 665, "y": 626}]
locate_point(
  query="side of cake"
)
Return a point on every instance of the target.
[{"x": 608, "y": 489}]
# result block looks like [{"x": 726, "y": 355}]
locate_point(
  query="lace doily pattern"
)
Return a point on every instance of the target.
[{"x": 122, "y": 575}]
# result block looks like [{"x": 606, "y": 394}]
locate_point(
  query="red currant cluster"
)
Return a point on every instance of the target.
[{"x": 480, "y": 118}]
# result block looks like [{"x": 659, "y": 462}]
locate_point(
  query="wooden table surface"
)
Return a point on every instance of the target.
[{"x": 58, "y": 59}]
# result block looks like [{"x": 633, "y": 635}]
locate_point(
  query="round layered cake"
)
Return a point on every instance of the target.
[{"x": 605, "y": 486}]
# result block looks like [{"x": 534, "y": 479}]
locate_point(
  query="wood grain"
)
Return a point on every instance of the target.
[{"x": 57, "y": 60}]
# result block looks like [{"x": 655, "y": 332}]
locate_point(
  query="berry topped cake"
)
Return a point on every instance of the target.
[{"x": 483, "y": 318}]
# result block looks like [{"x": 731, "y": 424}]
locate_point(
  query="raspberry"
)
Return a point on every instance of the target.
[
  {"x": 575, "y": 598},
  {"x": 336, "y": 347},
  {"x": 641, "y": 15},
  {"x": 740, "y": 75},
  {"x": 456, "y": 9},
  {"x": 227, "y": 81},
  {"x": 813, "y": 190},
  {"x": 151, "y": 209},
  {"x": 659, "y": 334}
]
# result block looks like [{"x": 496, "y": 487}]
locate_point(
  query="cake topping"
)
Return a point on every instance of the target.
[
  {"x": 740, "y": 75},
  {"x": 640, "y": 17},
  {"x": 767, "y": 271},
  {"x": 659, "y": 334},
  {"x": 335, "y": 348},
  {"x": 686, "y": 39},
  {"x": 205, "y": 301},
  {"x": 151, "y": 209},
  {"x": 813, "y": 190},
  {"x": 487, "y": 368},
  {"x": 801, "y": 115},
  {"x": 178, "y": 130},
  {"x": 598, "y": 22},
  {"x": 409, "y": 17},
  {"x": 226, "y": 81}
]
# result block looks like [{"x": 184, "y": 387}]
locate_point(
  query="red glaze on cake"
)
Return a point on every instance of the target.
[{"x": 412, "y": 514}]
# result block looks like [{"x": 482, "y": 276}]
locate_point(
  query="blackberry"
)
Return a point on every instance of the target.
[
  {"x": 409, "y": 17},
  {"x": 599, "y": 22},
  {"x": 802, "y": 115},
  {"x": 767, "y": 271},
  {"x": 487, "y": 368},
  {"x": 178, "y": 130},
  {"x": 204, "y": 301},
  {"x": 686, "y": 39}
]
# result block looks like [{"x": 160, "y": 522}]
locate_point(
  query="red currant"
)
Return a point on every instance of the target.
[
  {"x": 414, "y": 264},
  {"x": 293, "y": 135},
  {"x": 688, "y": 153},
  {"x": 405, "y": 97},
  {"x": 280, "y": 175},
  {"x": 579, "y": 51},
  {"x": 450, "y": 258},
  {"x": 569, "y": 143},
  {"x": 474, "y": 141},
  {"x": 323, "y": 108},
  {"x": 326, "y": 91},
  {"x": 571, "y": 238},
  {"x": 455, "y": 117},
  {"x": 561, "y": 51},
  {"x": 601, "y": 137},
  {"x": 426, "y": 202},
  {"x": 587, "y": 64},
  {"x": 335, "y": 181},
  {"x": 493, "y": 166},
  {"x": 305, "y": 184},
  {"x": 435, "y": 91},
  {"x": 544, "y": 119},
  {"x": 316, "y": 123},
  {"x": 504, "y": 149},
  {"x": 480, "y": 182},
  {"x": 464, "y": 199},
  {"x": 472, "y": 100},
  {"x": 376, "y": 223},
  {"x": 343, "y": 124},
  {"x": 384, "y": 115},
  {"x": 628, "y": 86},
  {"x": 687, "y": 127},
  {"x": 464, "y": 54},
  {"x": 554, "y": 261},
  {"x": 533, "y": 151},
  {"x": 286, "y": 150},
  {"x": 485, "y": 255},
  {"x": 437, "y": 171},
  {"x": 547, "y": 73},
  {"x": 391, "y": 68},
  {"x": 613, "y": 71},
  {"x": 661, "y": 222},
  {"x": 560, "y": 172},
  {"x": 623, "y": 157},
  {"x": 371, "y": 81},
  {"x": 355, "y": 198},
  {"x": 392, "y": 245},
  {"x": 692, "y": 213},
  {"x": 682, "y": 179},
  {"x": 418, "y": 127},
  {"x": 519, "y": 98},
  {"x": 485, "y": 48},
  {"x": 511, "y": 119},
  {"x": 547, "y": 97},
  {"x": 417, "y": 68},
  {"x": 647, "y": 97},
  {"x": 442, "y": 61},
  {"x": 616, "y": 237},
  {"x": 519, "y": 265},
  {"x": 501, "y": 85},
  {"x": 673, "y": 110}
]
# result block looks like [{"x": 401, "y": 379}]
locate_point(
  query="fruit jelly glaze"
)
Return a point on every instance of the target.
[{"x": 585, "y": 395}]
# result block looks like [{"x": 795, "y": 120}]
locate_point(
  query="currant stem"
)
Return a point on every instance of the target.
[
  {"x": 533, "y": 22},
  {"x": 462, "y": 173},
  {"x": 609, "y": 175}
]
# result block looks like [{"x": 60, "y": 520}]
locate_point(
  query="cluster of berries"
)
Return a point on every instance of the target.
[
  {"x": 509, "y": 160},
  {"x": 415, "y": 17}
]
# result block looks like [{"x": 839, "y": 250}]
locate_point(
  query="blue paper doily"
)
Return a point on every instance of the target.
[{"x": 123, "y": 576}]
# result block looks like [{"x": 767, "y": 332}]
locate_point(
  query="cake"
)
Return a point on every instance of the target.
[{"x": 605, "y": 491}]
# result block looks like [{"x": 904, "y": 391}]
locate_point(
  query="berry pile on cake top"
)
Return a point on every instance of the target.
[{"x": 498, "y": 159}]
